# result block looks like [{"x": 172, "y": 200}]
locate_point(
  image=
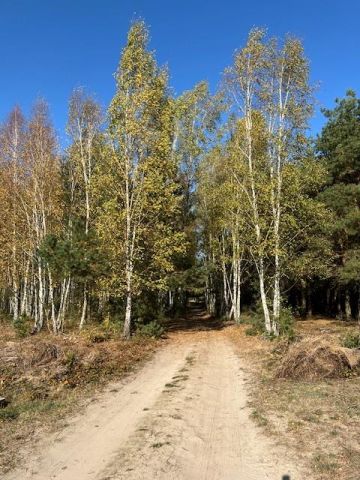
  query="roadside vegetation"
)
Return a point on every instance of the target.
[
  {"x": 305, "y": 394},
  {"x": 48, "y": 377}
]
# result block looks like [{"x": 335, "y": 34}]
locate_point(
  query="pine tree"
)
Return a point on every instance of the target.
[{"x": 339, "y": 148}]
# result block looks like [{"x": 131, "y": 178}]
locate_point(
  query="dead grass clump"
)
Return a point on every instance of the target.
[
  {"x": 42, "y": 353},
  {"x": 318, "y": 358}
]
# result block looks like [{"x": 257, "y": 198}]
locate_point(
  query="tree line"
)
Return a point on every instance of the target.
[{"x": 160, "y": 197}]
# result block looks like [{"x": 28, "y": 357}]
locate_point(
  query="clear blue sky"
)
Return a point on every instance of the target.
[{"x": 48, "y": 47}]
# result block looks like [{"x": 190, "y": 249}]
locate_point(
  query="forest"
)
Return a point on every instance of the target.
[{"x": 223, "y": 196}]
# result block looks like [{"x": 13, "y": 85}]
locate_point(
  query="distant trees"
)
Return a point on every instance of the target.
[
  {"x": 13, "y": 221},
  {"x": 32, "y": 195},
  {"x": 215, "y": 194},
  {"x": 196, "y": 117}
]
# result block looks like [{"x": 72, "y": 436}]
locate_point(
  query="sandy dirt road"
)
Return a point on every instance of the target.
[{"x": 184, "y": 415}]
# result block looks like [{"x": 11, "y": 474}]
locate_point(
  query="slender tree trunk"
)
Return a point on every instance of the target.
[
  {"x": 52, "y": 304},
  {"x": 127, "y": 324},
  {"x": 238, "y": 302},
  {"x": 36, "y": 308},
  {"x": 15, "y": 285},
  {"x": 30, "y": 307},
  {"x": 303, "y": 298},
  {"x": 87, "y": 221},
  {"x": 309, "y": 301},
  {"x": 65, "y": 288},
  {"x": 277, "y": 266},
  {"x": 277, "y": 213},
  {"x": 234, "y": 289},
  {"x": 24, "y": 297},
  {"x": 236, "y": 267},
  {"x": 338, "y": 303},
  {"x": 237, "y": 291},
  {"x": 15, "y": 302},
  {"x": 277, "y": 298},
  {"x": 347, "y": 305},
  {"x": 171, "y": 299},
  {"x": 225, "y": 290},
  {"x": 84, "y": 308},
  {"x": 328, "y": 302},
  {"x": 264, "y": 303},
  {"x": 41, "y": 302},
  {"x": 210, "y": 296}
]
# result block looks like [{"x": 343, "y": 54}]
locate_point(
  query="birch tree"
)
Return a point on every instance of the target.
[
  {"x": 270, "y": 79},
  {"x": 137, "y": 179}
]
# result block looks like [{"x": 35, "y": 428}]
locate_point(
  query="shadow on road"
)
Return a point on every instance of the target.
[{"x": 195, "y": 319}]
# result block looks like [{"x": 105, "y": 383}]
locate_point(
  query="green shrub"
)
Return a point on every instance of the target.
[
  {"x": 256, "y": 321},
  {"x": 21, "y": 327},
  {"x": 146, "y": 308},
  {"x": 110, "y": 327},
  {"x": 286, "y": 323},
  {"x": 114, "y": 325},
  {"x": 9, "y": 413},
  {"x": 27, "y": 408},
  {"x": 152, "y": 329},
  {"x": 252, "y": 331},
  {"x": 99, "y": 336},
  {"x": 351, "y": 339},
  {"x": 70, "y": 359}
]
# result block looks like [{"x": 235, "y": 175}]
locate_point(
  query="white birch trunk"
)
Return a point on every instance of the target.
[
  {"x": 225, "y": 290},
  {"x": 128, "y": 308},
  {"x": 171, "y": 299},
  {"x": 40, "y": 322},
  {"x": 237, "y": 296},
  {"x": 65, "y": 288},
  {"x": 277, "y": 297},
  {"x": 52, "y": 304},
  {"x": 25, "y": 292},
  {"x": 15, "y": 302},
  {"x": 268, "y": 325},
  {"x": 347, "y": 305},
  {"x": 84, "y": 309}
]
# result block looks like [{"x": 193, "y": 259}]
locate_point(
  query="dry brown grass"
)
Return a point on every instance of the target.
[
  {"x": 45, "y": 377},
  {"x": 318, "y": 358},
  {"x": 320, "y": 419}
]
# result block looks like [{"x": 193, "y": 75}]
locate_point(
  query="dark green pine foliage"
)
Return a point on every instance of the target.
[
  {"x": 76, "y": 256},
  {"x": 339, "y": 147}
]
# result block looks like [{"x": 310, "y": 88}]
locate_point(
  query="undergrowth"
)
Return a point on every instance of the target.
[{"x": 351, "y": 339}]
